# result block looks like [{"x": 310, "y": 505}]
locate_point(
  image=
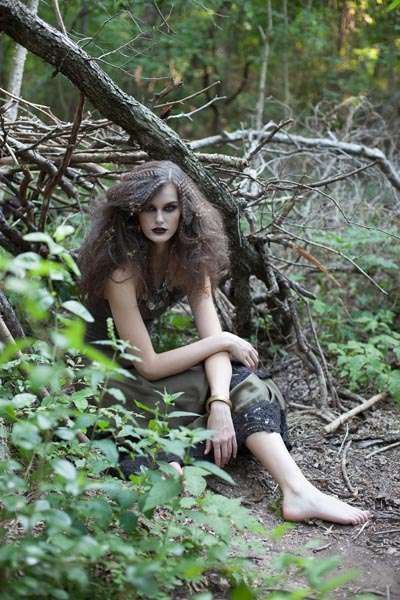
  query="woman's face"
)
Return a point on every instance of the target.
[{"x": 159, "y": 219}]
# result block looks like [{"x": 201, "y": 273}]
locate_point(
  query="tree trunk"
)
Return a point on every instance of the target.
[
  {"x": 264, "y": 68},
  {"x": 154, "y": 136},
  {"x": 9, "y": 317},
  {"x": 286, "y": 82},
  {"x": 17, "y": 71}
]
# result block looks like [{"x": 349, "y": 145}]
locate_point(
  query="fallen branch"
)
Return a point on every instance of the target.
[
  {"x": 372, "y": 154},
  {"x": 351, "y": 488},
  {"x": 354, "y": 411},
  {"x": 149, "y": 133},
  {"x": 394, "y": 445},
  {"x": 120, "y": 157}
]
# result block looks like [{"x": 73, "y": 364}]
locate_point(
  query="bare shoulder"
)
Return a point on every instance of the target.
[
  {"x": 122, "y": 273},
  {"x": 122, "y": 277}
]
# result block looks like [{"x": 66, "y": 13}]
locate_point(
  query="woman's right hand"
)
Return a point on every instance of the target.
[{"x": 241, "y": 350}]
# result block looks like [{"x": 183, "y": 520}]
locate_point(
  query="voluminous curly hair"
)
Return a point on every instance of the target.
[{"x": 199, "y": 246}]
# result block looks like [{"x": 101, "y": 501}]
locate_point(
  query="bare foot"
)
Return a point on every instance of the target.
[
  {"x": 177, "y": 467},
  {"x": 310, "y": 503}
]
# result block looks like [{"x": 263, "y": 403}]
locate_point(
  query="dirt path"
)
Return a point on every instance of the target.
[{"x": 374, "y": 550}]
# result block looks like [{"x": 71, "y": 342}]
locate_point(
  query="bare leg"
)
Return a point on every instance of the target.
[{"x": 301, "y": 499}]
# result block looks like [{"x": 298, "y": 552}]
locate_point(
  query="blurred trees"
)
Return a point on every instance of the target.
[{"x": 318, "y": 50}]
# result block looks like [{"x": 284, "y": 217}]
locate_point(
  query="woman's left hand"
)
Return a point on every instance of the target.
[{"x": 224, "y": 440}]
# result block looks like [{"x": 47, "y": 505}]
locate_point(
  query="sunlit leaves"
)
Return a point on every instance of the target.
[
  {"x": 78, "y": 309},
  {"x": 163, "y": 491}
]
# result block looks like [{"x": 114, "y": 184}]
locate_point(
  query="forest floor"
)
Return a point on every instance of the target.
[{"x": 373, "y": 550}]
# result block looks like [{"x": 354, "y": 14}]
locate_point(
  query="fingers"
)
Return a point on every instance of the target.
[
  {"x": 250, "y": 361},
  {"x": 224, "y": 451},
  {"x": 208, "y": 447},
  {"x": 247, "y": 363},
  {"x": 254, "y": 355},
  {"x": 217, "y": 453},
  {"x": 251, "y": 356},
  {"x": 234, "y": 447}
]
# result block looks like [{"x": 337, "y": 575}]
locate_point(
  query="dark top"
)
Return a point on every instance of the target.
[{"x": 151, "y": 307}]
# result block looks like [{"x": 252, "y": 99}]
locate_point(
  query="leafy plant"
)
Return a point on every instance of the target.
[
  {"x": 70, "y": 527},
  {"x": 374, "y": 358}
]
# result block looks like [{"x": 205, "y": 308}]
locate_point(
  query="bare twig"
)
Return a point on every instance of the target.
[
  {"x": 190, "y": 97},
  {"x": 328, "y": 377},
  {"x": 65, "y": 162},
  {"x": 354, "y": 411},
  {"x": 358, "y": 150},
  {"x": 379, "y": 450},
  {"x": 190, "y": 114},
  {"x": 351, "y": 488},
  {"x": 359, "y": 532}
]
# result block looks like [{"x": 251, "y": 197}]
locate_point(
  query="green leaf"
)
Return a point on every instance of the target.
[
  {"x": 65, "y": 468},
  {"x": 58, "y": 519},
  {"x": 128, "y": 521},
  {"x": 173, "y": 447},
  {"x": 25, "y": 435},
  {"x": 78, "y": 309},
  {"x": 394, "y": 4},
  {"x": 71, "y": 264},
  {"x": 280, "y": 530},
  {"x": 62, "y": 232},
  {"x": 79, "y": 398},
  {"x": 10, "y": 349},
  {"x": 23, "y": 400},
  {"x": 162, "y": 492},
  {"x": 108, "y": 448},
  {"x": 181, "y": 413},
  {"x": 125, "y": 497},
  {"x": 117, "y": 394},
  {"x": 195, "y": 482},
  {"x": 242, "y": 592},
  {"x": 99, "y": 510},
  {"x": 338, "y": 581},
  {"x": 394, "y": 384},
  {"x": 38, "y": 236},
  {"x": 214, "y": 470}
]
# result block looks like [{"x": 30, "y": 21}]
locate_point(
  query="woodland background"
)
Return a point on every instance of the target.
[{"x": 287, "y": 114}]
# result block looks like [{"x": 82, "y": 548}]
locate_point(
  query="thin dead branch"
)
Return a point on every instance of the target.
[{"x": 331, "y": 427}]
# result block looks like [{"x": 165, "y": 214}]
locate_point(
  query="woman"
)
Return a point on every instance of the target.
[{"x": 154, "y": 240}]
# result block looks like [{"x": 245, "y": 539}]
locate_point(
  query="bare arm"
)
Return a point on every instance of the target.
[
  {"x": 122, "y": 297},
  {"x": 219, "y": 373},
  {"x": 218, "y": 366}
]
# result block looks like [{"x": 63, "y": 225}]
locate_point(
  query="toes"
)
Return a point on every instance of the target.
[
  {"x": 360, "y": 520},
  {"x": 361, "y": 516}
]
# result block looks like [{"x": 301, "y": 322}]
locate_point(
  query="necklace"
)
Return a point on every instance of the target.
[{"x": 159, "y": 296}]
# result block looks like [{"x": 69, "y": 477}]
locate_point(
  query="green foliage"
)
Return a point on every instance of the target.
[
  {"x": 70, "y": 527},
  {"x": 220, "y": 40},
  {"x": 357, "y": 324},
  {"x": 394, "y": 4},
  {"x": 172, "y": 330},
  {"x": 374, "y": 358},
  {"x": 81, "y": 530},
  {"x": 318, "y": 573}
]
